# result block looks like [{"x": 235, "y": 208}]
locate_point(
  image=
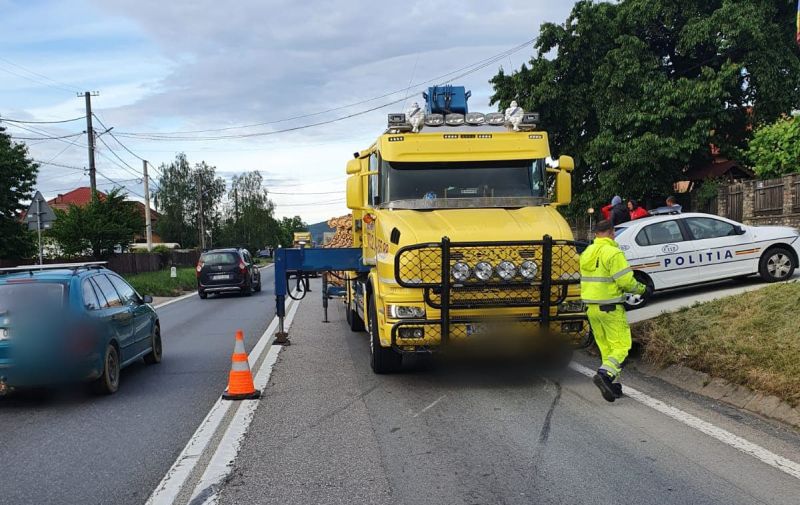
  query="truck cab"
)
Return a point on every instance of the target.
[{"x": 456, "y": 215}]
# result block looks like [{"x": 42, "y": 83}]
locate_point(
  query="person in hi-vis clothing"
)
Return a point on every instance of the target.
[{"x": 605, "y": 279}]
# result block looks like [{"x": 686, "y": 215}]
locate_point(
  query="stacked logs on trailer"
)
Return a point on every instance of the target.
[{"x": 342, "y": 237}]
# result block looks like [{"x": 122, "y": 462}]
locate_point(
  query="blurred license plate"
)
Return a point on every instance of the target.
[{"x": 219, "y": 277}]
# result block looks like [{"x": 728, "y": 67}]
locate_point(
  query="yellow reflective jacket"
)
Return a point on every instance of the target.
[{"x": 605, "y": 273}]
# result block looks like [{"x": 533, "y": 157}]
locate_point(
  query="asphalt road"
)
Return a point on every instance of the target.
[
  {"x": 83, "y": 449},
  {"x": 329, "y": 431}
]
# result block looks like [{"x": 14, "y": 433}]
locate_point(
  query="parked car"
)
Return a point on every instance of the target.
[
  {"x": 227, "y": 271},
  {"x": 670, "y": 251},
  {"x": 96, "y": 325}
]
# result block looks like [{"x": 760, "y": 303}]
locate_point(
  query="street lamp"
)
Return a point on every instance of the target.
[{"x": 590, "y": 211}]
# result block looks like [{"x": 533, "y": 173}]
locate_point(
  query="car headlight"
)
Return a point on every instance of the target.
[
  {"x": 460, "y": 271},
  {"x": 4, "y": 334},
  {"x": 528, "y": 269},
  {"x": 483, "y": 271},
  {"x": 506, "y": 270},
  {"x": 406, "y": 312}
]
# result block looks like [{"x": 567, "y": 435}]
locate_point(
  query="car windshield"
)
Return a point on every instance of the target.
[
  {"x": 219, "y": 258},
  {"x": 509, "y": 183},
  {"x": 25, "y": 296}
]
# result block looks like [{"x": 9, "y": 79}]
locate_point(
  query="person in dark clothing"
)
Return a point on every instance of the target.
[
  {"x": 618, "y": 213},
  {"x": 636, "y": 211}
]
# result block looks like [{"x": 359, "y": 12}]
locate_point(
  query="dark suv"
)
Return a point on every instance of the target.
[{"x": 227, "y": 271}]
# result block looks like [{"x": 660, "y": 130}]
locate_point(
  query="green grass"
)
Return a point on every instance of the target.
[
  {"x": 752, "y": 339},
  {"x": 161, "y": 284}
]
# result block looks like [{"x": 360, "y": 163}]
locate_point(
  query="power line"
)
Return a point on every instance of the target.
[
  {"x": 477, "y": 66},
  {"x": 55, "y": 83},
  {"x": 9, "y": 120},
  {"x": 62, "y": 165},
  {"x": 306, "y": 193},
  {"x": 101, "y": 174},
  {"x": 108, "y": 130},
  {"x": 116, "y": 155},
  {"x": 47, "y": 138}
]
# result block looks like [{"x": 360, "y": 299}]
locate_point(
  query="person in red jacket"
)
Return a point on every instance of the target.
[{"x": 636, "y": 210}]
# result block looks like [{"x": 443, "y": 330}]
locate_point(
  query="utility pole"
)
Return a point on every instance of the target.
[
  {"x": 39, "y": 228},
  {"x": 236, "y": 212},
  {"x": 90, "y": 134},
  {"x": 148, "y": 224},
  {"x": 200, "y": 206}
]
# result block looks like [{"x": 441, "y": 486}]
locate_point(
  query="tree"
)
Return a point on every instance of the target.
[
  {"x": 249, "y": 217},
  {"x": 637, "y": 90},
  {"x": 177, "y": 200},
  {"x": 172, "y": 199},
  {"x": 775, "y": 148},
  {"x": 17, "y": 179},
  {"x": 99, "y": 226}
]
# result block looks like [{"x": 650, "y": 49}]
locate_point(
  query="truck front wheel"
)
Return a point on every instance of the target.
[{"x": 383, "y": 360}]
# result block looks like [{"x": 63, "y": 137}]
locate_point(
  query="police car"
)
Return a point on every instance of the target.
[{"x": 670, "y": 251}]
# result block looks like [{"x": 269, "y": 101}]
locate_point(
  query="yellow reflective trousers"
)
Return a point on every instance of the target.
[{"x": 612, "y": 335}]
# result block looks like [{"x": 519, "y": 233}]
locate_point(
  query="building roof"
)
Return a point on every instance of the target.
[
  {"x": 78, "y": 196},
  {"x": 719, "y": 168},
  {"x": 83, "y": 195}
]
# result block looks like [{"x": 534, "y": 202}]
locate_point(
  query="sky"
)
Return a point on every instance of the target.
[{"x": 167, "y": 67}]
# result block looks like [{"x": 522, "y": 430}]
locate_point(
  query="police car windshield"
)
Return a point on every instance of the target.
[{"x": 457, "y": 183}]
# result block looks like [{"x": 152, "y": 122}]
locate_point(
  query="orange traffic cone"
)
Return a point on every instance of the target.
[{"x": 240, "y": 380}]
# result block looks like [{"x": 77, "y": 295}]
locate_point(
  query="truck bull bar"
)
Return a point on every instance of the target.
[{"x": 555, "y": 265}]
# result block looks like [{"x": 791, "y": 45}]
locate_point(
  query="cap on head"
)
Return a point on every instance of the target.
[{"x": 616, "y": 200}]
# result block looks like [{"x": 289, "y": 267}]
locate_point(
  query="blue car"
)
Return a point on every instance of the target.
[{"x": 72, "y": 322}]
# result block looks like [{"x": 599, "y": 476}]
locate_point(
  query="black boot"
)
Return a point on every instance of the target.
[
  {"x": 604, "y": 384},
  {"x": 617, "y": 389}
]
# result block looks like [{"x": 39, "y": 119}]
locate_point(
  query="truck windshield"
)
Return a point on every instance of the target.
[{"x": 509, "y": 183}]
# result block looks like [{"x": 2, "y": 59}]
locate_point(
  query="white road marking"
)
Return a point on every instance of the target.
[
  {"x": 430, "y": 406},
  {"x": 221, "y": 464},
  {"x": 170, "y": 486},
  {"x": 783, "y": 464},
  {"x": 179, "y": 298}
]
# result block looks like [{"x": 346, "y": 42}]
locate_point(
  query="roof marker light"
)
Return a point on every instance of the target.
[
  {"x": 495, "y": 118},
  {"x": 434, "y": 120},
  {"x": 454, "y": 119},
  {"x": 475, "y": 118}
]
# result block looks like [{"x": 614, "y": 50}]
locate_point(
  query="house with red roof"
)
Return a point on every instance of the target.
[{"x": 83, "y": 195}]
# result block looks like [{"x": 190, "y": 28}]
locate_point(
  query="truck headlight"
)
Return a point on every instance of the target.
[
  {"x": 571, "y": 307},
  {"x": 528, "y": 269},
  {"x": 460, "y": 271},
  {"x": 506, "y": 270},
  {"x": 406, "y": 312},
  {"x": 483, "y": 271}
]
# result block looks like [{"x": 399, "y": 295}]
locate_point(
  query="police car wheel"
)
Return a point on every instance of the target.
[
  {"x": 633, "y": 302},
  {"x": 777, "y": 264}
]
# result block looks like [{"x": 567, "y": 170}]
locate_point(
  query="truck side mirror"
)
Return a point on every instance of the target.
[
  {"x": 563, "y": 187},
  {"x": 355, "y": 191},
  {"x": 353, "y": 167},
  {"x": 566, "y": 163}
]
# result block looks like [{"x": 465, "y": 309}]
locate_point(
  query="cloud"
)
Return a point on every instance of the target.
[{"x": 198, "y": 64}]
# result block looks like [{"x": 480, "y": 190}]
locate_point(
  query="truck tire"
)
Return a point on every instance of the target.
[
  {"x": 776, "y": 264},
  {"x": 383, "y": 360}
]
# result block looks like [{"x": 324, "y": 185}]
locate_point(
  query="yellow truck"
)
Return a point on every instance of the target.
[
  {"x": 456, "y": 217},
  {"x": 302, "y": 239}
]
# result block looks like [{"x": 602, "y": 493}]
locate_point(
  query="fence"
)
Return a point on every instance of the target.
[
  {"x": 766, "y": 202},
  {"x": 127, "y": 263}
]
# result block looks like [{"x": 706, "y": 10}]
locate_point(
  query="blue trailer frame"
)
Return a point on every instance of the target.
[{"x": 299, "y": 262}]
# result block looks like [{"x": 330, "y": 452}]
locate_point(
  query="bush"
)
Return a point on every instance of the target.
[{"x": 161, "y": 284}]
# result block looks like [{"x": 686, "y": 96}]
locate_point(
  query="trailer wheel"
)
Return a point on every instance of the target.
[{"x": 383, "y": 360}]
